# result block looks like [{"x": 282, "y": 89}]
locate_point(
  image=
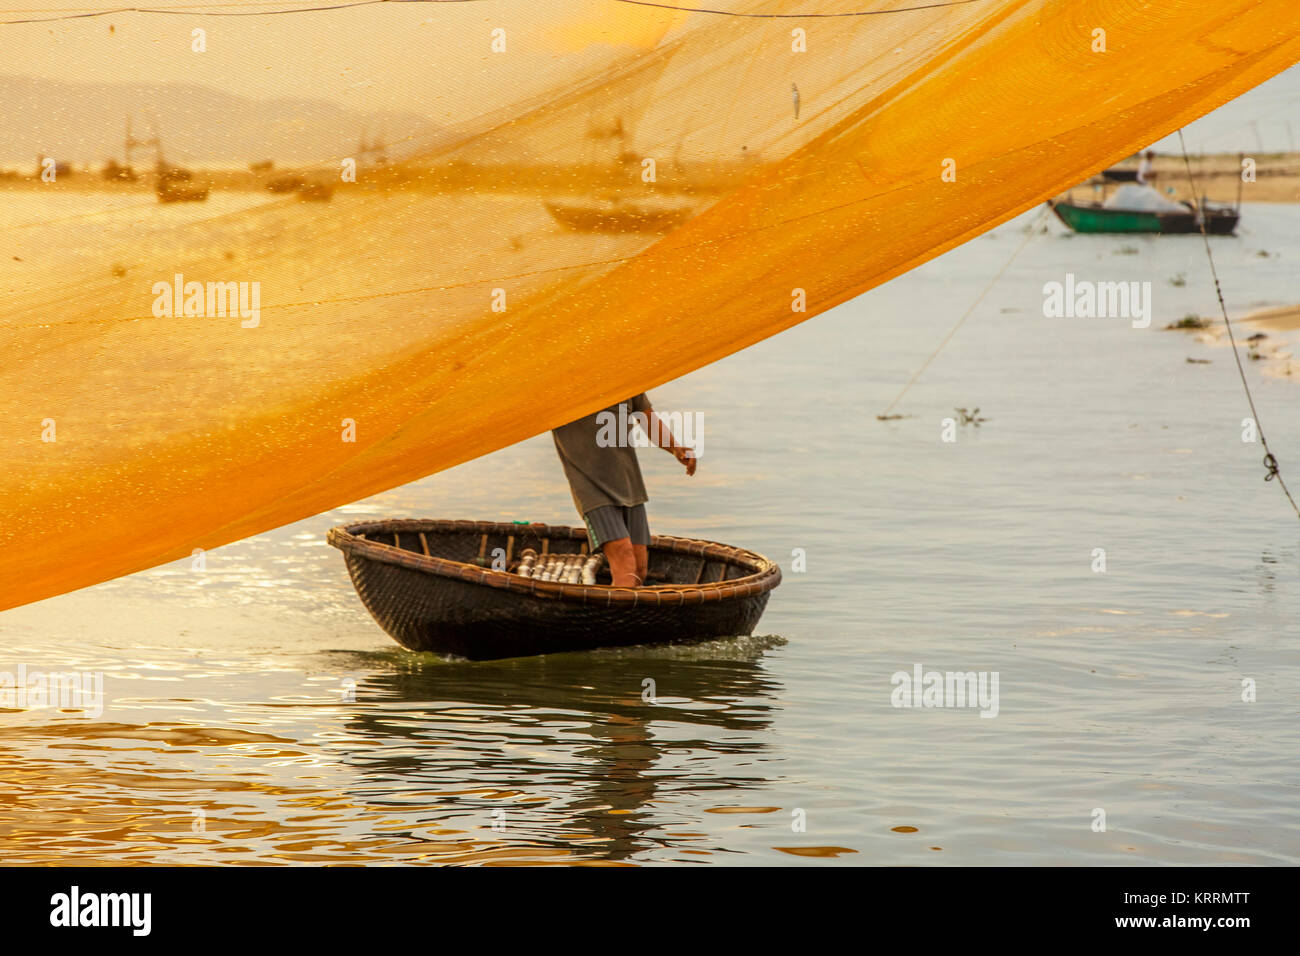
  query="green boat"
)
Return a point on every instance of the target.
[{"x": 1094, "y": 217}]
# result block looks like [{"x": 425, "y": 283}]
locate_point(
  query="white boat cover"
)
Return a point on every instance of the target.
[{"x": 1137, "y": 198}]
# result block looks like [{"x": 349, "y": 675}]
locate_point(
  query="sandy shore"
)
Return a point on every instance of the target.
[
  {"x": 1283, "y": 319},
  {"x": 1277, "y": 177},
  {"x": 1274, "y": 352}
]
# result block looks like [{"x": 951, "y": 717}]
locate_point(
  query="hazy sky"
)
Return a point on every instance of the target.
[
  {"x": 1267, "y": 116},
  {"x": 430, "y": 58}
]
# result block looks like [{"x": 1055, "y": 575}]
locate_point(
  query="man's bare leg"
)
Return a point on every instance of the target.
[
  {"x": 642, "y": 555},
  {"x": 622, "y": 562}
]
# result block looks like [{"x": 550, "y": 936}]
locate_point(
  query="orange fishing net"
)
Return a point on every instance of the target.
[{"x": 669, "y": 189}]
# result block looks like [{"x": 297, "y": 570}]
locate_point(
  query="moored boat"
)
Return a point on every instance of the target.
[
  {"x": 431, "y": 585},
  {"x": 618, "y": 217},
  {"x": 313, "y": 190},
  {"x": 1116, "y": 174},
  {"x": 1095, "y": 217},
  {"x": 176, "y": 185}
]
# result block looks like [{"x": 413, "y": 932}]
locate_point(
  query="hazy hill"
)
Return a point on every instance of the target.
[{"x": 85, "y": 123}]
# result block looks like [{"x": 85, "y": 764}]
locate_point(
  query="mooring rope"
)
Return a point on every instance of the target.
[
  {"x": 1029, "y": 234},
  {"x": 1270, "y": 461}
]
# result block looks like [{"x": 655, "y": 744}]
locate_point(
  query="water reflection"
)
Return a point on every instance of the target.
[
  {"x": 552, "y": 759},
  {"x": 582, "y": 751}
]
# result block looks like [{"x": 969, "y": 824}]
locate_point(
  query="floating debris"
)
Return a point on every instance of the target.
[
  {"x": 741, "y": 809},
  {"x": 824, "y": 851}
]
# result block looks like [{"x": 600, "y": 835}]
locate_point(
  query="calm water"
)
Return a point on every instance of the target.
[{"x": 253, "y": 713}]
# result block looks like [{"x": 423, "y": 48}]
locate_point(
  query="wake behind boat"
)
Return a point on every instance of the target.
[{"x": 431, "y": 586}]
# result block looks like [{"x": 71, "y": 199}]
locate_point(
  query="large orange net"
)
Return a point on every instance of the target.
[{"x": 657, "y": 190}]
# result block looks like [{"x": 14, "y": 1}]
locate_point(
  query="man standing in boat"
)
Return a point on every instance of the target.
[
  {"x": 1145, "y": 167},
  {"x": 599, "y": 459}
]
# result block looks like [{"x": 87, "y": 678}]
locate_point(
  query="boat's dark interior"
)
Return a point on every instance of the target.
[{"x": 502, "y": 550}]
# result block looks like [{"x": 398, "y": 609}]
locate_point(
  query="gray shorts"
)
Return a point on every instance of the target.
[{"x": 610, "y": 522}]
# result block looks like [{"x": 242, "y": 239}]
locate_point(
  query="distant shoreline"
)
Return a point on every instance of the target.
[{"x": 1217, "y": 175}]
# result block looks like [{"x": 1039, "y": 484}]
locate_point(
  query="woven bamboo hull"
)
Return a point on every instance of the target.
[
  {"x": 433, "y": 603},
  {"x": 455, "y": 617}
]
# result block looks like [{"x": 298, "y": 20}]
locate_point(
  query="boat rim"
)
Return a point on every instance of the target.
[
  {"x": 1212, "y": 208},
  {"x": 764, "y": 574}
]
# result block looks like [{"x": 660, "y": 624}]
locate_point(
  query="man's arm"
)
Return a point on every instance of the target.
[{"x": 662, "y": 435}]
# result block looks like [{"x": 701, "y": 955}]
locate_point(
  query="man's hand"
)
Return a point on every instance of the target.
[{"x": 686, "y": 455}]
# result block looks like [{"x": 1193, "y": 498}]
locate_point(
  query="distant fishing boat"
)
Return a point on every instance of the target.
[
  {"x": 610, "y": 143},
  {"x": 1094, "y": 217},
  {"x": 1115, "y": 174},
  {"x": 618, "y": 217},
  {"x": 431, "y": 586},
  {"x": 1136, "y": 208},
  {"x": 117, "y": 173},
  {"x": 315, "y": 191},
  {"x": 288, "y": 183},
  {"x": 171, "y": 182},
  {"x": 175, "y": 185}
]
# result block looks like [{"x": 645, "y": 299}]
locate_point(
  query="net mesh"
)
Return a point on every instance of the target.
[{"x": 654, "y": 205}]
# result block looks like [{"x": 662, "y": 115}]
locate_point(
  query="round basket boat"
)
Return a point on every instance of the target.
[{"x": 425, "y": 583}]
